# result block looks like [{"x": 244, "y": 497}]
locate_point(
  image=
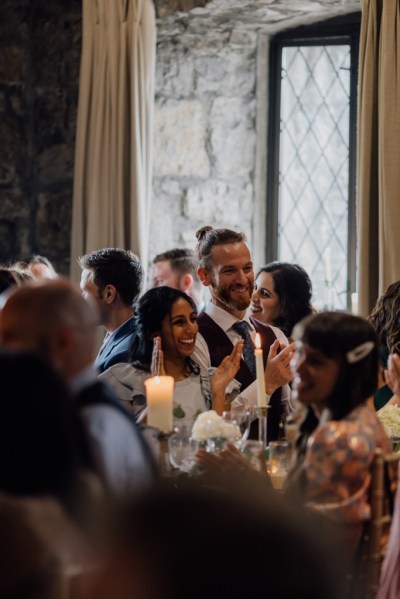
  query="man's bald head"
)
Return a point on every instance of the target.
[{"x": 51, "y": 318}]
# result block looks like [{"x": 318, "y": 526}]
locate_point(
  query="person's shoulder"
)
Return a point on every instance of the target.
[
  {"x": 279, "y": 334},
  {"x": 218, "y": 315},
  {"x": 120, "y": 371},
  {"x": 119, "y": 354},
  {"x": 100, "y": 394},
  {"x": 347, "y": 437},
  {"x": 123, "y": 335},
  {"x": 128, "y": 326},
  {"x": 263, "y": 326}
]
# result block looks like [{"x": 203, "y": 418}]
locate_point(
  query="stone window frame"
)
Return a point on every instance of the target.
[{"x": 345, "y": 29}]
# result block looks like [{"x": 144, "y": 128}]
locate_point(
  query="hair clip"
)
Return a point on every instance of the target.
[{"x": 359, "y": 352}]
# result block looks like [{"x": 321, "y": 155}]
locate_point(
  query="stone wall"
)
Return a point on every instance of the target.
[
  {"x": 211, "y": 114},
  {"x": 39, "y": 69},
  {"x": 209, "y": 129},
  {"x": 204, "y": 133}
]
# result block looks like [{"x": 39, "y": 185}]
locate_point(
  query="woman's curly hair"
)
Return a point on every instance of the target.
[{"x": 385, "y": 318}]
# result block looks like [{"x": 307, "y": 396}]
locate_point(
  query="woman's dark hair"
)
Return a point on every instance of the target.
[
  {"x": 335, "y": 334},
  {"x": 37, "y": 430},
  {"x": 294, "y": 290},
  {"x": 150, "y": 312},
  {"x": 385, "y": 318}
]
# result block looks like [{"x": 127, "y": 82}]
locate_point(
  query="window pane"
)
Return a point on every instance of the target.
[{"x": 314, "y": 163}]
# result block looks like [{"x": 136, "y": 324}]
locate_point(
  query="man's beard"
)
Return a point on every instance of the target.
[{"x": 236, "y": 305}]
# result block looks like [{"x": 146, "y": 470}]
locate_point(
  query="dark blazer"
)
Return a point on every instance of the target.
[{"x": 116, "y": 347}]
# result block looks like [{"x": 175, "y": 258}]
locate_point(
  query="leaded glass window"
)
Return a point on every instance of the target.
[{"x": 314, "y": 158}]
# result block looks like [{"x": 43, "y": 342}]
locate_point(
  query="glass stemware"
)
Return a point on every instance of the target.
[
  {"x": 219, "y": 437},
  {"x": 254, "y": 452},
  {"x": 279, "y": 462},
  {"x": 242, "y": 418},
  {"x": 182, "y": 448}
]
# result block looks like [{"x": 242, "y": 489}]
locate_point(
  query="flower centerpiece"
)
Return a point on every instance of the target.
[
  {"x": 212, "y": 431},
  {"x": 390, "y": 418}
]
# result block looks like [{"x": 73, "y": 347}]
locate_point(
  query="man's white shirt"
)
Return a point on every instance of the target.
[{"x": 226, "y": 320}]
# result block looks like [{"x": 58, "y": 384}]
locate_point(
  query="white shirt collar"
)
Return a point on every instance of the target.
[{"x": 225, "y": 319}]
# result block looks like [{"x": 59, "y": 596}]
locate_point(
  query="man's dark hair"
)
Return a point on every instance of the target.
[
  {"x": 182, "y": 261},
  {"x": 117, "y": 267},
  {"x": 208, "y": 237}
]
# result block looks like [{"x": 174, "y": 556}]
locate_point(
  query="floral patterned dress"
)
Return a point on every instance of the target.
[
  {"x": 332, "y": 476},
  {"x": 337, "y": 465}
]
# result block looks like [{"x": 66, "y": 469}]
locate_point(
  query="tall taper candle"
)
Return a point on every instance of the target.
[
  {"x": 326, "y": 257},
  {"x": 261, "y": 394},
  {"x": 354, "y": 303}
]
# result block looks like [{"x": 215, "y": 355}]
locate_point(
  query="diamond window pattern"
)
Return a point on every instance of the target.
[{"x": 314, "y": 163}]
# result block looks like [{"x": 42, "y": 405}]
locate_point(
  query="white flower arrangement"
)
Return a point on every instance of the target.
[
  {"x": 390, "y": 418},
  {"x": 209, "y": 425}
]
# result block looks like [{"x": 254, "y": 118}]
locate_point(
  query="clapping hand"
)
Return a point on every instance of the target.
[
  {"x": 223, "y": 375},
  {"x": 277, "y": 370},
  {"x": 157, "y": 359},
  {"x": 227, "y": 369}
]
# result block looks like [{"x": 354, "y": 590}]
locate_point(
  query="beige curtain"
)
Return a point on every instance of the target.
[
  {"x": 378, "y": 176},
  {"x": 113, "y": 155}
]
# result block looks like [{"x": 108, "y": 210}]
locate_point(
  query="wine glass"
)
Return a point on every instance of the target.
[
  {"x": 279, "y": 462},
  {"x": 220, "y": 433},
  {"x": 254, "y": 451},
  {"x": 242, "y": 417},
  {"x": 182, "y": 449}
]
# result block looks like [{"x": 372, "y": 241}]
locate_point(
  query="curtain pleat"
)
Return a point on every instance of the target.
[
  {"x": 378, "y": 172},
  {"x": 113, "y": 155}
]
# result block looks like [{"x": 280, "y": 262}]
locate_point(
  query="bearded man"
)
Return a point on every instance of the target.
[{"x": 226, "y": 268}]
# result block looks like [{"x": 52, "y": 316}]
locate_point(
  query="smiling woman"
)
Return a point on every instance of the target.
[
  {"x": 335, "y": 373},
  {"x": 166, "y": 330},
  {"x": 282, "y": 295}
]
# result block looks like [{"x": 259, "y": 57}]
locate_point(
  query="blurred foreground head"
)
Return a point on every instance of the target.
[
  {"x": 52, "y": 319},
  {"x": 209, "y": 543},
  {"x": 37, "y": 436},
  {"x": 29, "y": 568}
]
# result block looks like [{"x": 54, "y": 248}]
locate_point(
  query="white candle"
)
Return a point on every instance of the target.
[
  {"x": 261, "y": 394},
  {"x": 160, "y": 396},
  {"x": 327, "y": 265},
  {"x": 354, "y": 303}
]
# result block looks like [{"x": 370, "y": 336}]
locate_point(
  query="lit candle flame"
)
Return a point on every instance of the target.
[{"x": 258, "y": 341}]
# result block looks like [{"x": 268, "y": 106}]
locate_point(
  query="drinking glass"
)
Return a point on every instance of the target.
[
  {"x": 219, "y": 437},
  {"x": 254, "y": 452},
  {"x": 242, "y": 417},
  {"x": 279, "y": 462},
  {"x": 182, "y": 449}
]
